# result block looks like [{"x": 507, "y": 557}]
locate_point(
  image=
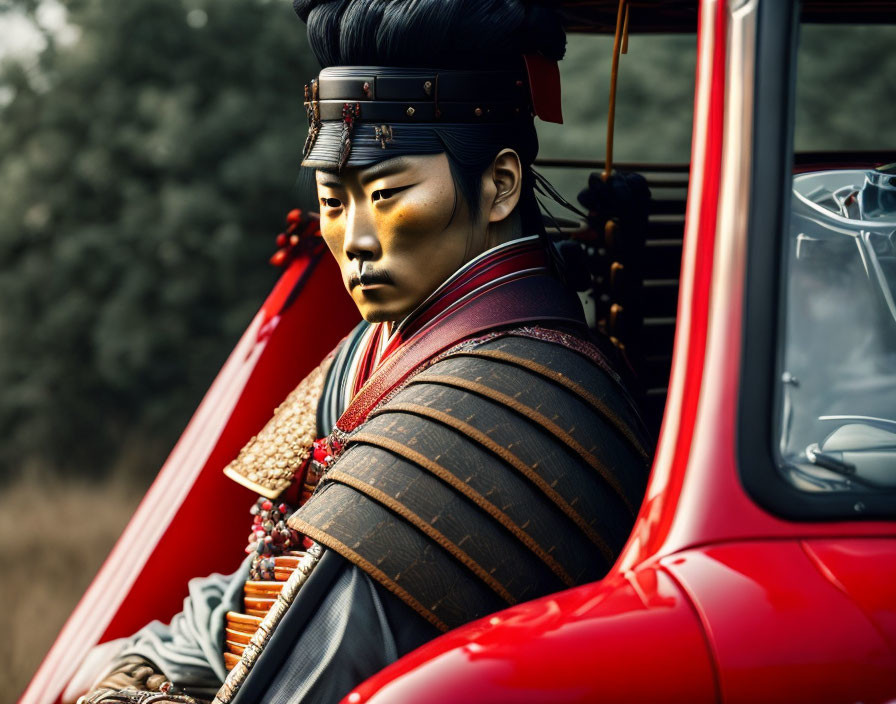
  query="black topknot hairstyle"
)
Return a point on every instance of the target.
[{"x": 449, "y": 34}]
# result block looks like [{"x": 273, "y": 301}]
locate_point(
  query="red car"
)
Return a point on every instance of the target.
[{"x": 762, "y": 565}]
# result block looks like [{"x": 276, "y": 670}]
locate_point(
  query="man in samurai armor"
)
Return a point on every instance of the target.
[{"x": 468, "y": 446}]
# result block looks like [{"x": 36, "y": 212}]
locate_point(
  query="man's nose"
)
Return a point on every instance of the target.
[{"x": 361, "y": 241}]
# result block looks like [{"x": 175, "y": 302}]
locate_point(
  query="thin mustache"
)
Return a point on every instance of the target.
[{"x": 369, "y": 277}]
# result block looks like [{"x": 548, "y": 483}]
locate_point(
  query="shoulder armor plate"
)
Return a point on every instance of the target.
[
  {"x": 503, "y": 472},
  {"x": 268, "y": 462}
]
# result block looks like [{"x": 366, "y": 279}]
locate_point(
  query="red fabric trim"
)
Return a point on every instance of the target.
[
  {"x": 519, "y": 257},
  {"x": 525, "y": 299},
  {"x": 368, "y": 359}
]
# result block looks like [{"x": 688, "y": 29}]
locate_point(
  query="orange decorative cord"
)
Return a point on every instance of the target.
[
  {"x": 620, "y": 45},
  {"x": 625, "y": 30}
]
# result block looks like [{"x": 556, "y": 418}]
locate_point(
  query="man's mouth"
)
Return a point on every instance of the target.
[{"x": 367, "y": 277}]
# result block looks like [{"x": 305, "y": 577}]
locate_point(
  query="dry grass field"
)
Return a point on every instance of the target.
[{"x": 54, "y": 535}]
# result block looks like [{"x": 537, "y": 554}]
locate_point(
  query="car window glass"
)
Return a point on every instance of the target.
[{"x": 836, "y": 425}]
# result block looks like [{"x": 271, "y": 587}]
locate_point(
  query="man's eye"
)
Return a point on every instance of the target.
[
  {"x": 385, "y": 193},
  {"x": 331, "y": 202}
]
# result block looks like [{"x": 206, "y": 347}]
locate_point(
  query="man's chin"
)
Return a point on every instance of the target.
[
  {"x": 379, "y": 313},
  {"x": 378, "y": 316}
]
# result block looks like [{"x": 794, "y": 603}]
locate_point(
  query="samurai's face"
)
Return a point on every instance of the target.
[{"x": 400, "y": 228}]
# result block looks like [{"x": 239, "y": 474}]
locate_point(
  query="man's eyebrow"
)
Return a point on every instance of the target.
[
  {"x": 384, "y": 168},
  {"x": 328, "y": 179}
]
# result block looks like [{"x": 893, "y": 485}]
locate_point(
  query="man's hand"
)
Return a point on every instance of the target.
[
  {"x": 134, "y": 680},
  {"x": 133, "y": 672},
  {"x": 132, "y": 696}
]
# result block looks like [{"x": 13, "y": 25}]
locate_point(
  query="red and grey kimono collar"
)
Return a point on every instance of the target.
[
  {"x": 509, "y": 285},
  {"x": 520, "y": 257}
]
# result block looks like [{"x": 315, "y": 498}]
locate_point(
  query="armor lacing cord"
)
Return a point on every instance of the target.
[{"x": 620, "y": 45}]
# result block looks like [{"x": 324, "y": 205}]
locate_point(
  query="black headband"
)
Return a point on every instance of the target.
[{"x": 358, "y": 115}]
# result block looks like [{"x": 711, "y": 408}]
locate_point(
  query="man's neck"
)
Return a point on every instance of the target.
[{"x": 394, "y": 326}]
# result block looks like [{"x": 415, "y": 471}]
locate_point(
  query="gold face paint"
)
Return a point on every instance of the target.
[{"x": 398, "y": 230}]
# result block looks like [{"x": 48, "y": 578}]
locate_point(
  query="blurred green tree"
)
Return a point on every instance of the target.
[{"x": 144, "y": 170}]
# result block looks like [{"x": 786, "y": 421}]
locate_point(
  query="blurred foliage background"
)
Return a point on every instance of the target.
[
  {"x": 149, "y": 150},
  {"x": 147, "y": 157}
]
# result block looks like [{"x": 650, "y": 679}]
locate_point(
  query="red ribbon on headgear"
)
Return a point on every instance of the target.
[{"x": 544, "y": 85}]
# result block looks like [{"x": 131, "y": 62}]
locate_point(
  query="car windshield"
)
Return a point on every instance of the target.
[{"x": 837, "y": 383}]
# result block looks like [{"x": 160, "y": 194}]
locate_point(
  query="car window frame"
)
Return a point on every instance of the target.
[{"x": 759, "y": 401}]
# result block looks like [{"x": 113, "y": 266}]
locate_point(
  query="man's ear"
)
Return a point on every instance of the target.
[{"x": 506, "y": 177}]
